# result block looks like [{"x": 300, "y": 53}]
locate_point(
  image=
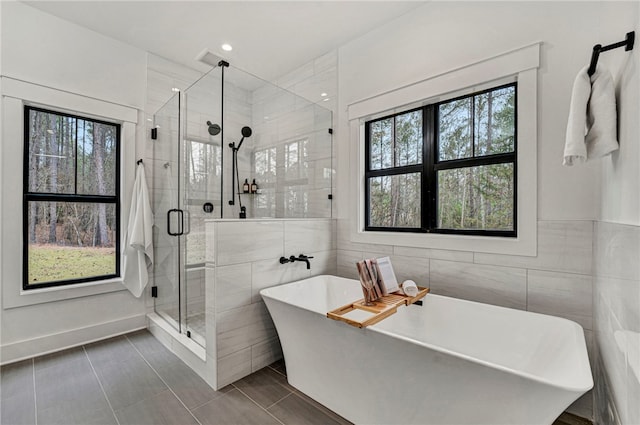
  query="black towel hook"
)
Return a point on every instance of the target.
[
  {"x": 138, "y": 162},
  {"x": 627, "y": 43}
]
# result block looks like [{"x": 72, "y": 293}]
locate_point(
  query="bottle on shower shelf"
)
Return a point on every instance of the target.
[
  {"x": 245, "y": 186},
  {"x": 254, "y": 187}
]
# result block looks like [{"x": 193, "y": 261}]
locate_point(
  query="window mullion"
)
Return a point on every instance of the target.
[
  {"x": 75, "y": 162},
  {"x": 429, "y": 192},
  {"x": 472, "y": 118},
  {"x": 393, "y": 143}
]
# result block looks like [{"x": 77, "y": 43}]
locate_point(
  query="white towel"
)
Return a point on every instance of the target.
[
  {"x": 138, "y": 254},
  {"x": 591, "y": 129}
]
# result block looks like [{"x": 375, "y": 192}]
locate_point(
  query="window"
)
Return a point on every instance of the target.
[
  {"x": 284, "y": 188},
  {"x": 71, "y": 199},
  {"x": 447, "y": 167}
]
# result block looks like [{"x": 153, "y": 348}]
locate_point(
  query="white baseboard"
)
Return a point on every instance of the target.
[{"x": 20, "y": 350}]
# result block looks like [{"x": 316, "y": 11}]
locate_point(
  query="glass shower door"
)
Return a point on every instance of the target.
[
  {"x": 201, "y": 191},
  {"x": 168, "y": 216}
]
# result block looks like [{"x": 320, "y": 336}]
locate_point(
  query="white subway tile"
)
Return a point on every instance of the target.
[
  {"x": 234, "y": 366},
  {"x": 304, "y": 236},
  {"x": 324, "y": 262},
  {"x": 265, "y": 353},
  {"x": 244, "y": 241},
  {"x": 503, "y": 286},
  {"x": 564, "y": 246},
  {"x": 561, "y": 294},
  {"x": 617, "y": 251},
  {"x": 270, "y": 272},
  {"x": 242, "y": 327},
  {"x": 436, "y": 254},
  {"x": 416, "y": 269},
  {"x": 233, "y": 286},
  {"x": 346, "y": 264}
]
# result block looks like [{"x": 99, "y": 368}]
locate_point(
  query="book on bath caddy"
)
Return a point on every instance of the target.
[{"x": 377, "y": 278}]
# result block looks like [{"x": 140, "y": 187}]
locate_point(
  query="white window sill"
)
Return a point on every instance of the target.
[
  {"x": 451, "y": 242},
  {"x": 60, "y": 293}
]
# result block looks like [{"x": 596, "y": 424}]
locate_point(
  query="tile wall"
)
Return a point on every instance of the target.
[
  {"x": 558, "y": 281},
  {"x": 293, "y": 154},
  {"x": 617, "y": 323},
  {"x": 243, "y": 258}
]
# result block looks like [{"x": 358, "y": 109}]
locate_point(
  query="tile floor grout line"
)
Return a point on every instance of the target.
[
  {"x": 256, "y": 403},
  {"x": 162, "y": 379},
  {"x": 95, "y": 373},
  {"x": 273, "y": 404},
  {"x": 35, "y": 397}
]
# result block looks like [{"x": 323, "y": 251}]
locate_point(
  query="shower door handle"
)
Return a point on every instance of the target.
[{"x": 181, "y": 214}]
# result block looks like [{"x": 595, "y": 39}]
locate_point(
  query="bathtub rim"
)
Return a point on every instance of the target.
[{"x": 266, "y": 293}]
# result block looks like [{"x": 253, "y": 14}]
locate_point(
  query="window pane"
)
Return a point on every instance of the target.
[
  {"x": 265, "y": 165},
  {"x": 296, "y": 160},
  {"x": 495, "y": 121},
  {"x": 70, "y": 240},
  {"x": 381, "y": 144},
  {"x": 51, "y": 153},
  {"x": 96, "y": 158},
  {"x": 409, "y": 138},
  {"x": 395, "y": 201},
  {"x": 203, "y": 170},
  {"x": 296, "y": 201},
  {"x": 476, "y": 198},
  {"x": 454, "y": 130}
]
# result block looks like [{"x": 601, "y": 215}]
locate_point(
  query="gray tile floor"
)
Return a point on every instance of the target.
[{"x": 133, "y": 379}]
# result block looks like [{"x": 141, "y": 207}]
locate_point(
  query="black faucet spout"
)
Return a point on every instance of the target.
[{"x": 301, "y": 257}]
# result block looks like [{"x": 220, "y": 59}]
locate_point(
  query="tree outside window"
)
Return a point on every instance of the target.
[
  {"x": 448, "y": 167},
  {"x": 71, "y": 199}
]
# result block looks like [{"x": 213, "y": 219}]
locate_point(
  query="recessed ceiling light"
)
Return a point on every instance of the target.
[
  {"x": 326, "y": 99},
  {"x": 175, "y": 89},
  {"x": 149, "y": 119},
  {"x": 227, "y": 47},
  {"x": 323, "y": 94}
]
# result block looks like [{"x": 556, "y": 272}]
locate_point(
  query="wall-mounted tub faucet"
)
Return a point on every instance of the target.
[{"x": 301, "y": 257}]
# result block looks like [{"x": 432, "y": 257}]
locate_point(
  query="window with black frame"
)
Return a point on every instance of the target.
[
  {"x": 447, "y": 167},
  {"x": 71, "y": 202}
]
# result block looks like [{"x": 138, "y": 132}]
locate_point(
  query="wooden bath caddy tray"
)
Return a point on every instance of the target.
[{"x": 382, "y": 308}]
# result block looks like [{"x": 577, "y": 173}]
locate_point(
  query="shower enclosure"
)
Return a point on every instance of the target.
[{"x": 231, "y": 146}]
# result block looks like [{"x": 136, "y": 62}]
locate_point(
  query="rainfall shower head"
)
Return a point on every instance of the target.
[
  {"x": 214, "y": 129},
  {"x": 209, "y": 58},
  {"x": 246, "y": 132}
]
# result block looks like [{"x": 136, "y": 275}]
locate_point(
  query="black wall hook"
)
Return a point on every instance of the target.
[
  {"x": 138, "y": 162},
  {"x": 627, "y": 43}
]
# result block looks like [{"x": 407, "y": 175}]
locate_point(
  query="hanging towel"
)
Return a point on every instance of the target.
[
  {"x": 138, "y": 254},
  {"x": 591, "y": 129}
]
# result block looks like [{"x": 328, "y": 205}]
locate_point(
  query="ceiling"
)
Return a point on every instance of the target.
[{"x": 269, "y": 38}]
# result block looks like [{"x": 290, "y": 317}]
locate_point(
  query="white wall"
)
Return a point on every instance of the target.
[
  {"x": 619, "y": 201},
  {"x": 442, "y": 36},
  {"x": 617, "y": 250},
  {"x": 49, "y": 52},
  {"x": 445, "y": 35}
]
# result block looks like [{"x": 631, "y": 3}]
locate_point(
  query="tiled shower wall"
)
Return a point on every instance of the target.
[
  {"x": 558, "y": 281},
  {"x": 617, "y": 323},
  {"x": 243, "y": 258}
]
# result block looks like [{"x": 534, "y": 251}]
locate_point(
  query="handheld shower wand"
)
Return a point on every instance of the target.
[
  {"x": 246, "y": 132},
  {"x": 235, "y": 179}
]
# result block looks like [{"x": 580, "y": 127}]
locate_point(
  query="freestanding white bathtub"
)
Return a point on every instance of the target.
[{"x": 449, "y": 361}]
